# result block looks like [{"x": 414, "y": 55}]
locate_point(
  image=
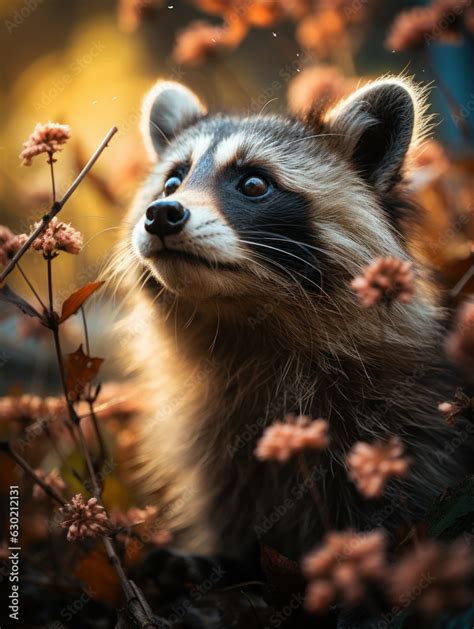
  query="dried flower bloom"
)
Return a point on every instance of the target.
[
  {"x": 52, "y": 479},
  {"x": 58, "y": 236},
  {"x": 372, "y": 465},
  {"x": 132, "y": 12},
  {"x": 264, "y": 13},
  {"x": 217, "y": 7},
  {"x": 28, "y": 408},
  {"x": 344, "y": 566},
  {"x": 9, "y": 244},
  {"x": 133, "y": 516},
  {"x": 460, "y": 342},
  {"x": 46, "y": 138},
  {"x": 317, "y": 87},
  {"x": 461, "y": 404},
  {"x": 385, "y": 280},
  {"x": 433, "y": 156},
  {"x": 282, "y": 439},
  {"x": 452, "y": 16},
  {"x": 201, "y": 41},
  {"x": 411, "y": 29},
  {"x": 321, "y": 31},
  {"x": 441, "y": 575},
  {"x": 83, "y": 519},
  {"x": 443, "y": 20},
  {"x": 297, "y": 9}
]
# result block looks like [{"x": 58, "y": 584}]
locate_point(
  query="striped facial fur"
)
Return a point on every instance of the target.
[{"x": 235, "y": 205}]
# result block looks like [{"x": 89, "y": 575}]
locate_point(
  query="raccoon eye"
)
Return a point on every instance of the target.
[
  {"x": 172, "y": 184},
  {"x": 254, "y": 186}
]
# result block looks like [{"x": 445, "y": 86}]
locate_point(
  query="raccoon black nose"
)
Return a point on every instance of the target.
[{"x": 164, "y": 218}]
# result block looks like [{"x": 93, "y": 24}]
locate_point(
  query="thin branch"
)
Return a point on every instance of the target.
[
  {"x": 53, "y": 182},
  {"x": 315, "y": 493},
  {"x": 31, "y": 286},
  {"x": 91, "y": 399},
  {"x": 57, "y": 206},
  {"x": 50, "y": 491}
]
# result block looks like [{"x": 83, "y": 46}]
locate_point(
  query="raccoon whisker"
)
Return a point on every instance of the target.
[
  {"x": 160, "y": 131},
  {"x": 330, "y": 299},
  {"x": 214, "y": 341},
  {"x": 107, "y": 229},
  {"x": 191, "y": 318},
  {"x": 298, "y": 284},
  {"x": 305, "y": 262},
  {"x": 304, "y": 246},
  {"x": 259, "y": 115}
]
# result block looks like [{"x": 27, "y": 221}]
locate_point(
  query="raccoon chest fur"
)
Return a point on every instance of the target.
[{"x": 210, "y": 399}]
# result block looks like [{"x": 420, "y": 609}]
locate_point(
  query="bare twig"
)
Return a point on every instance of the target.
[
  {"x": 315, "y": 493},
  {"x": 50, "y": 491},
  {"x": 57, "y": 206}
]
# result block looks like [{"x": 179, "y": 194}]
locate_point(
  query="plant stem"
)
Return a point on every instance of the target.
[
  {"x": 53, "y": 183},
  {"x": 31, "y": 287},
  {"x": 57, "y": 206},
  {"x": 136, "y": 603},
  {"x": 50, "y": 285},
  {"x": 50, "y": 491},
  {"x": 315, "y": 493},
  {"x": 90, "y": 399}
]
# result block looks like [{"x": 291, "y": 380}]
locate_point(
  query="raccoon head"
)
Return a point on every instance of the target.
[{"x": 242, "y": 205}]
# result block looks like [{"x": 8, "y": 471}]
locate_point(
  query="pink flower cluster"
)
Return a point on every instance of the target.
[
  {"x": 343, "y": 567},
  {"x": 282, "y": 439},
  {"x": 384, "y": 281},
  {"x": 46, "y": 138},
  {"x": 58, "y": 236},
  {"x": 441, "y": 575},
  {"x": 133, "y": 516},
  {"x": 9, "y": 244},
  {"x": 84, "y": 519},
  {"x": 372, "y": 465}
]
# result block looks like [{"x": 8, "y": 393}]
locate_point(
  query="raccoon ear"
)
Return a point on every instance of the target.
[
  {"x": 377, "y": 127},
  {"x": 168, "y": 108}
]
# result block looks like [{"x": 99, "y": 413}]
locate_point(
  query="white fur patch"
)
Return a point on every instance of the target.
[
  {"x": 200, "y": 146},
  {"x": 227, "y": 150}
]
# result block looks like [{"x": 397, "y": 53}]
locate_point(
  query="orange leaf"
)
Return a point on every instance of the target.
[
  {"x": 75, "y": 301},
  {"x": 80, "y": 371},
  {"x": 100, "y": 579}
]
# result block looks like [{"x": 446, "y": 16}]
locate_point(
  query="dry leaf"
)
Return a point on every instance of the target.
[
  {"x": 75, "y": 301},
  {"x": 80, "y": 371},
  {"x": 99, "y": 577}
]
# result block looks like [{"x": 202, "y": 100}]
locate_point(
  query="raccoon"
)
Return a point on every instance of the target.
[{"x": 239, "y": 250}]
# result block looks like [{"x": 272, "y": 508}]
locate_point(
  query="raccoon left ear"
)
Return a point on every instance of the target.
[
  {"x": 168, "y": 108},
  {"x": 377, "y": 125}
]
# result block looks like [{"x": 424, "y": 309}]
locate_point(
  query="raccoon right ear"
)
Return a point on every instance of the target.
[
  {"x": 376, "y": 126},
  {"x": 168, "y": 108}
]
